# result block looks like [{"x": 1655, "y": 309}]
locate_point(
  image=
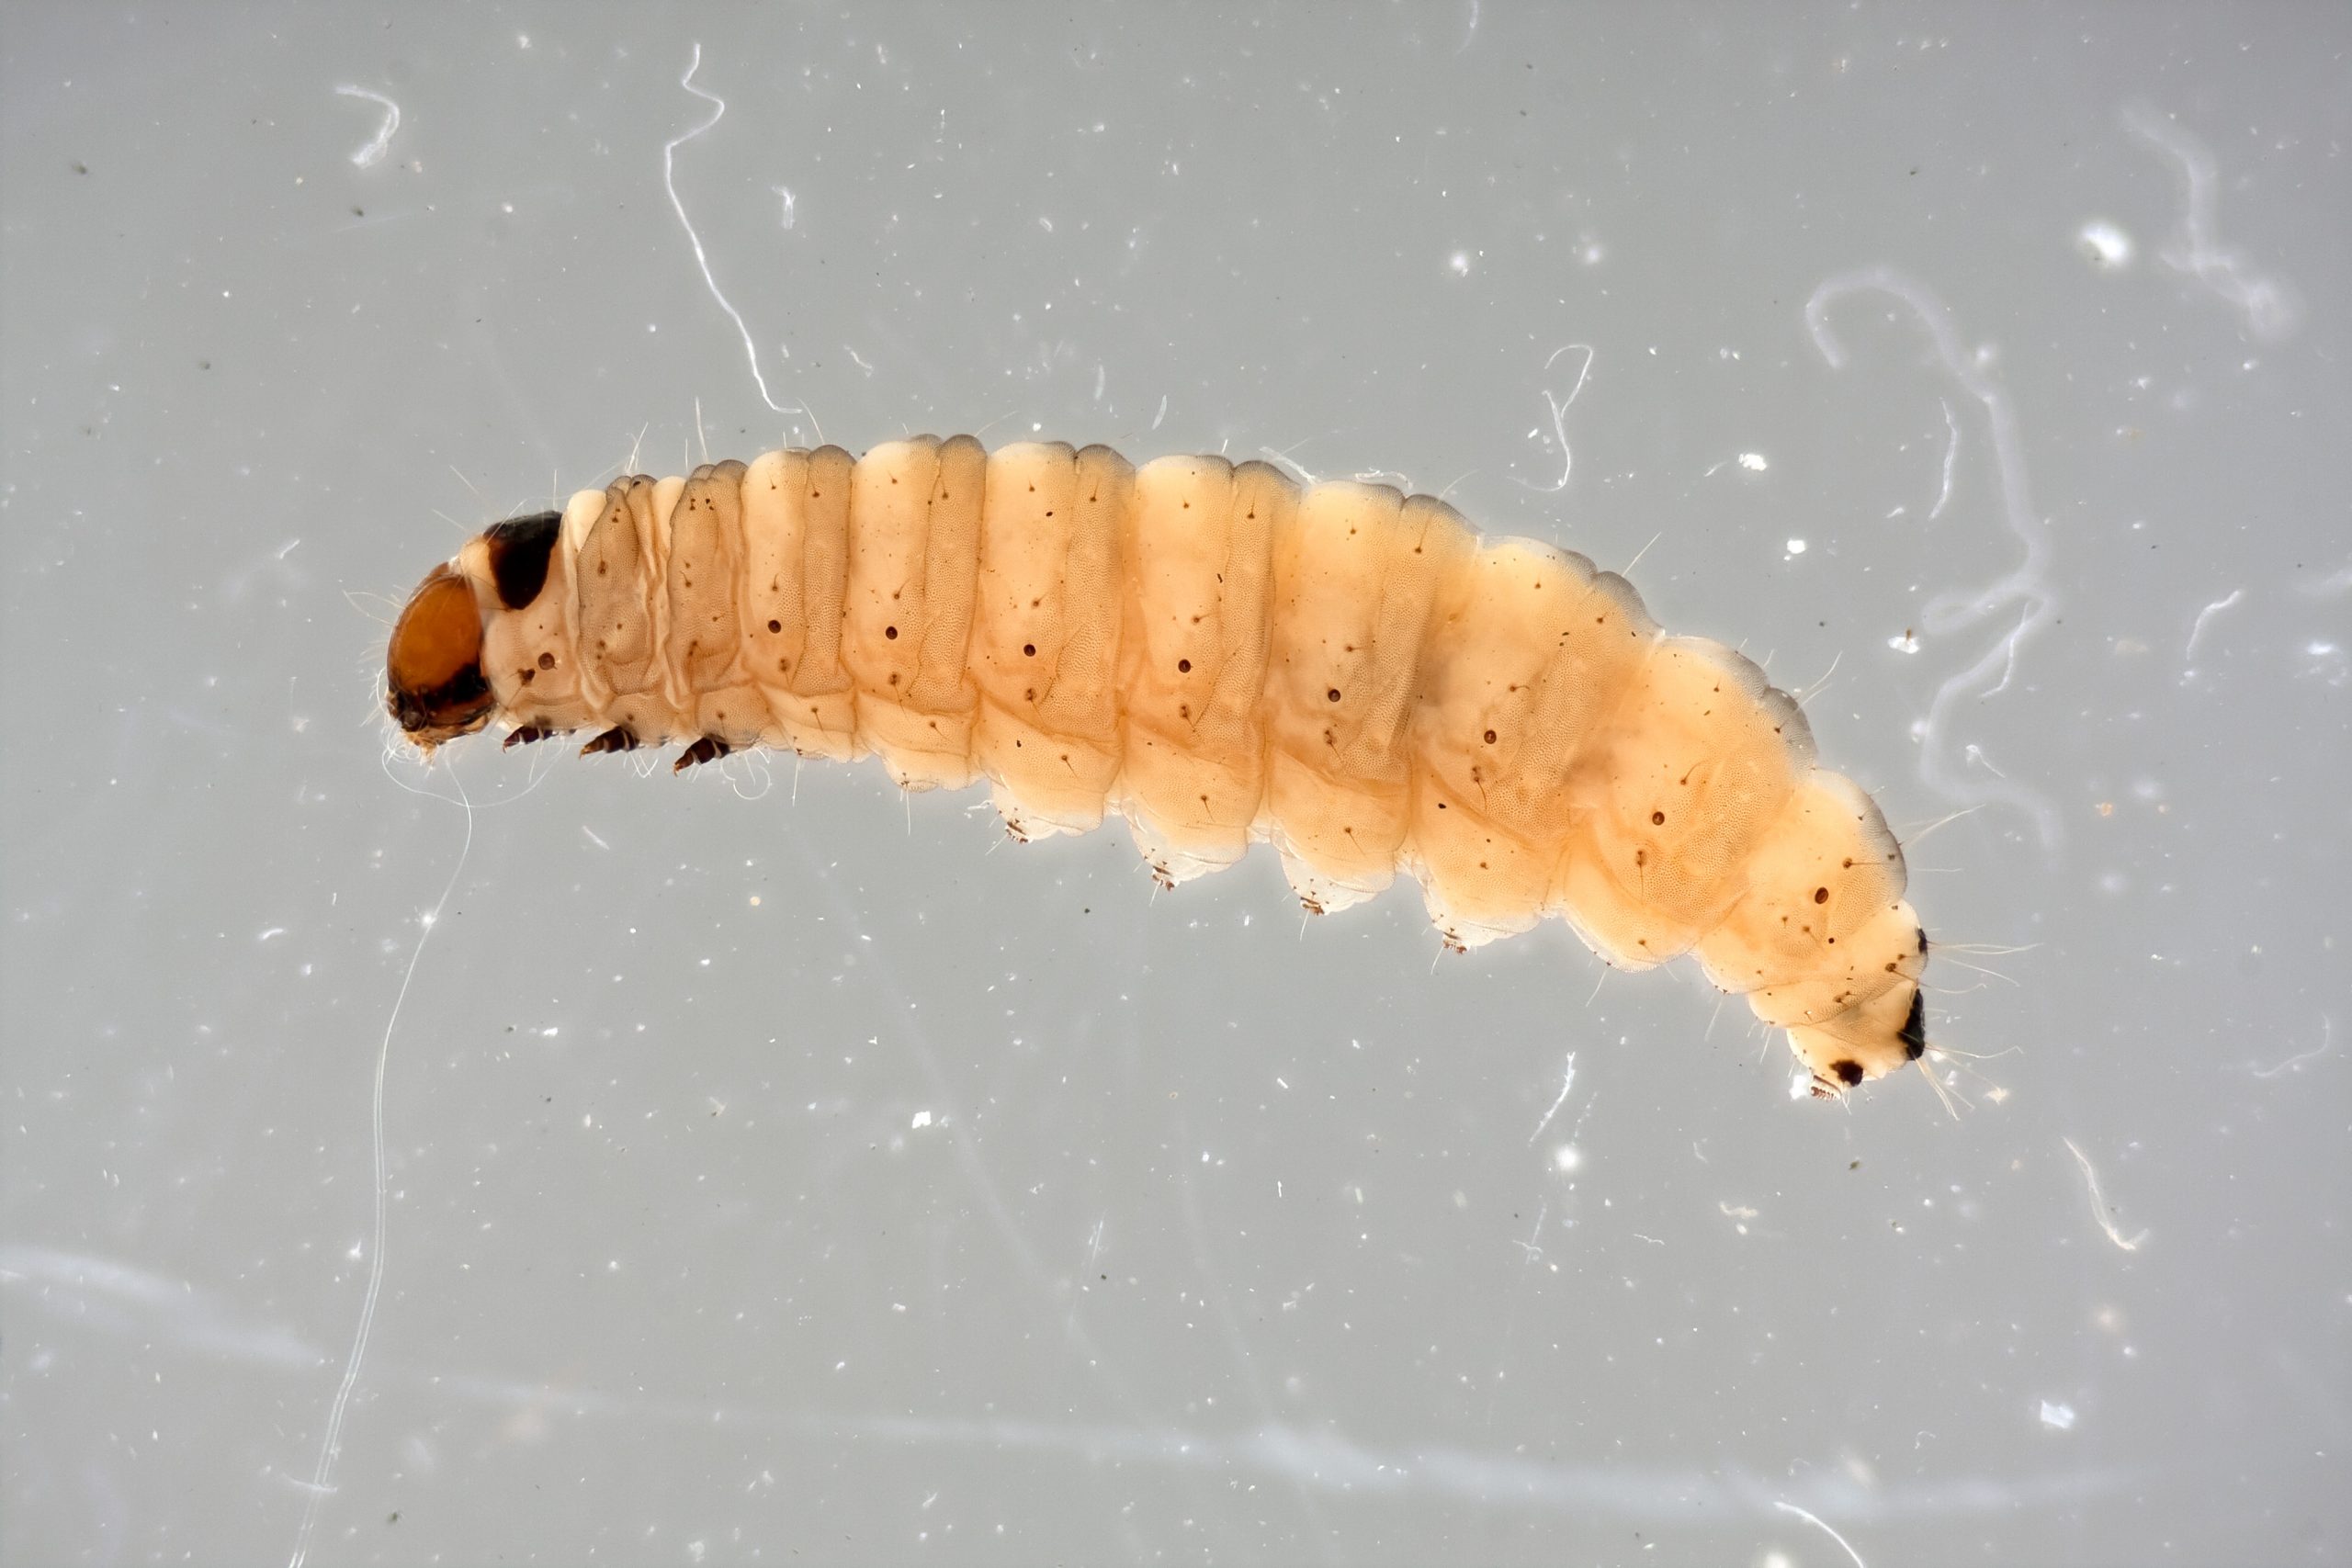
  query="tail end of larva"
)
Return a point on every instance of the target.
[{"x": 1868, "y": 1040}]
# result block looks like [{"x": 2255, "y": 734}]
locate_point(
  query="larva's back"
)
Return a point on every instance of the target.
[{"x": 1347, "y": 672}]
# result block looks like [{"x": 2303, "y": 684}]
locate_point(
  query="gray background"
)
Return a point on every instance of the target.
[{"x": 1227, "y": 1238}]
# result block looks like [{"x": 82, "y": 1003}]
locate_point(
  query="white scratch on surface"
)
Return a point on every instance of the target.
[
  {"x": 1567, "y": 1082},
  {"x": 2098, "y": 1203},
  {"x": 1952, "y": 456},
  {"x": 91, "y": 1292},
  {"x": 670, "y": 183},
  {"x": 330, "y": 1441},
  {"x": 2327, "y": 587},
  {"x": 2026, "y": 587},
  {"x": 2326, "y": 1040},
  {"x": 2267, "y": 303},
  {"x": 1560, "y": 407},
  {"x": 1283, "y": 460},
  {"x": 1816, "y": 1520},
  {"x": 2197, "y": 628},
  {"x": 369, "y": 156},
  {"x": 1535, "y": 1233}
]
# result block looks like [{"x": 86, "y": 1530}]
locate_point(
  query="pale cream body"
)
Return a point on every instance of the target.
[{"x": 1345, "y": 671}]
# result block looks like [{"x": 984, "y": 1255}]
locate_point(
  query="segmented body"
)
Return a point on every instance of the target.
[{"x": 1347, "y": 672}]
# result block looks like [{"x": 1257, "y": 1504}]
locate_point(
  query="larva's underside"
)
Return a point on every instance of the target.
[{"x": 1347, "y": 672}]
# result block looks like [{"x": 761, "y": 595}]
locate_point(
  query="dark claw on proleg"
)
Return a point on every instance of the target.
[
  {"x": 526, "y": 735},
  {"x": 617, "y": 738},
  {"x": 709, "y": 749}
]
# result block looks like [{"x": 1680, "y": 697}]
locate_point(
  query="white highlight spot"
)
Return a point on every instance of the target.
[
  {"x": 2058, "y": 1417},
  {"x": 367, "y": 157},
  {"x": 2107, "y": 246},
  {"x": 921, "y": 1118},
  {"x": 1567, "y": 1157},
  {"x": 1796, "y": 547},
  {"x": 1754, "y": 462},
  {"x": 1458, "y": 264},
  {"x": 785, "y": 192}
]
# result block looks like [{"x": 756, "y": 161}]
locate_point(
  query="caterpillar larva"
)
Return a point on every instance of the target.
[{"x": 1347, "y": 672}]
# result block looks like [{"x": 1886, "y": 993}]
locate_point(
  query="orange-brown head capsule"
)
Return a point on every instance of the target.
[{"x": 433, "y": 665}]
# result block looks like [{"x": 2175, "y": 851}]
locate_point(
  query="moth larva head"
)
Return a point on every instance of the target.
[
  {"x": 433, "y": 668},
  {"x": 1885, "y": 1026},
  {"x": 1867, "y": 1040}
]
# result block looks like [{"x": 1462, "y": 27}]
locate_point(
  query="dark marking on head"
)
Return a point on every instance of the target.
[
  {"x": 433, "y": 685},
  {"x": 1915, "y": 1028},
  {"x": 1923, "y": 939},
  {"x": 1849, "y": 1073},
  {"x": 519, "y": 548}
]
